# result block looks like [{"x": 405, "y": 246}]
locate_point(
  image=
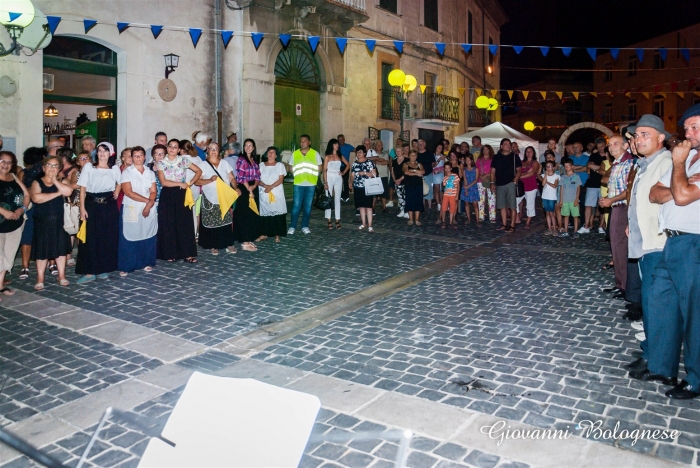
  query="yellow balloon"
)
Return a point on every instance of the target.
[
  {"x": 492, "y": 104},
  {"x": 397, "y": 78},
  {"x": 529, "y": 126},
  {"x": 482, "y": 102},
  {"x": 410, "y": 83}
]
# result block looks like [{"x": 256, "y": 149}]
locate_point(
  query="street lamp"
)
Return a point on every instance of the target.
[
  {"x": 171, "y": 63},
  {"x": 406, "y": 84},
  {"x": 15, "y": 15}
]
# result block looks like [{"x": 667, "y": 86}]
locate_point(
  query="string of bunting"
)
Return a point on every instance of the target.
[{"x": 341, "y": 42}]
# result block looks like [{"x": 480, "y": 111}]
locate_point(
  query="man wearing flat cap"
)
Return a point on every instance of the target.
[
  {"x": 675, "y": 312},
  {"x": 645, "y": 243}
]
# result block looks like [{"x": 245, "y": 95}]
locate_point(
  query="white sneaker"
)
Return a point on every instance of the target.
[
  {"x": 390, "y": 204},
  {"x": 601, "y": 230},
  {"x": 400, "y": 215},
  {"x": 439, "y": 207},
  {"x": 290, "y": 232},
  {"x": 584, "y": 230},
  {"x": 640, "y": 336},
  {"x": 639, "y": 326},
  {"x": 406, "y": 215},
  {"x": 306, "y": 230}
]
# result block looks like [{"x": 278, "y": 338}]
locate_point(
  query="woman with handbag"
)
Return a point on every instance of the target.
[
  {"x": 246, "y": 221},
  {"x": 273, "y": 206},
  {"x": 50, "y": 240},
  {"x": 71, "y": 209},
  {"x": 413, "y": 181},
  {"x": 99, "y": 190},
  {"x": 214, "y": 232},
  {"x": 487, "y": 198},
  {"x": 333, "y": 178},
  {"x": 14, "y": 201},
  {"x": 138, "y": 223},
  {"x": 176, "y": 238},
  {"x": 361, "y": 170}
]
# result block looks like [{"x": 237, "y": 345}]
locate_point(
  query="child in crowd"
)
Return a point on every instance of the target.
[
  {"x": 570, "y": 186},
  {"x": 470, "y": 192},
  {"x": 450, "y": 184},
  {"x": 550, "y": 182}
]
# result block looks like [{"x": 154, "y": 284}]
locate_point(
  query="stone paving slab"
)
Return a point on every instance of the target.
[
  {"x": 540, "y": 345},
  {"x": 164, "y": 347},
  {"x": 79, "y": 319},
  {"x": 119, "y": 332}
]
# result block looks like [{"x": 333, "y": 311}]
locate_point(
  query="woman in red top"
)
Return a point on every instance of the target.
[
  {"x": 530, "y": 170},
  {"x": 487, "y": 198}
]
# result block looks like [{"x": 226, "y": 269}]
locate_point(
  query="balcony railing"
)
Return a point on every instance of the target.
[
  {"x": 390, "y": 106},
  {"x": 440, "y": 107},
  {"x": 478, "y": 117},
  {"x": 359, "y": 5}
]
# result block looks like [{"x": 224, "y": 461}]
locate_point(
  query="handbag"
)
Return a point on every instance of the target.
[
  {"x": 374, "y": 186},
  {"x": 520, "y": 186},
  {"x": 71, "y": 218},
  {"x": 324, "y": 201}
]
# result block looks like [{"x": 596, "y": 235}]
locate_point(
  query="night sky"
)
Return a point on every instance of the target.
[{"x": 589, "y": 23}]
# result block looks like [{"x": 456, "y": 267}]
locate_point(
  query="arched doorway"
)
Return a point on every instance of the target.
[
  {"x": 583, "y": 127},
  {"x": 80, "y": 81},
  {"x": 297, "y": 97}
]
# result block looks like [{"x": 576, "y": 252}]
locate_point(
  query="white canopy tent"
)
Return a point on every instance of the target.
[{"x": 494, "y": 133}]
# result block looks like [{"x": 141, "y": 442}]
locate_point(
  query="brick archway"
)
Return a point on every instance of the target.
[{"x": 564, "y": 136}]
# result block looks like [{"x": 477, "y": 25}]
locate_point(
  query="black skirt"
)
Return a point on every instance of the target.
[
  {"x": 100, "y": 252},
  {"x": 246, "y": 224},
  {"x": 362, "y": 200},
  {"x": 49, "y": 240},
  {"x": 414, "y": 198},
  {"x": 273, "y": 225},
  {"x": 215, "y": 238},
  {"x": 175, "y": 226}
]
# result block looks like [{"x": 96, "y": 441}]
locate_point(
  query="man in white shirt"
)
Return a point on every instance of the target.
[{"x": 676, "y": 285}]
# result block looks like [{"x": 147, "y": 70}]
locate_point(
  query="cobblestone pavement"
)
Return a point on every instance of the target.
[{"x": 520, "y": 333}]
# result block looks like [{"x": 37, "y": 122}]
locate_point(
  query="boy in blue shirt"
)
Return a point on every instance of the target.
[{"x": 570, "y": 188}]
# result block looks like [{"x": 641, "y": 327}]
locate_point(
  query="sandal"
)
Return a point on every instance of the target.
[
  {"x": 261, "y": 238},
  {"x": 24, "y": 273},
  {"x": 510, "y": 230},
  {"x": 123, "y": 274},
  {"x": 231, "y": 250},
  {"x": 148, "y": 269},
  {"x": 39, "y": 286},
  {"x": 215, "y": 252},
  {"x": 608, "y": 266},
  {"x": 501, "y": 228},
  {"x": 410, "y": 222},
  {"x": 337, "y": 225},
  {"x": 249, "y": 247},
  {"x": 362, "y": 226},
  {"x": 277, "y": 240},
  {"x": 370, "y": 229},
  {"x": 7, "y": 291},
  {"x": 63, "y": 282},
  {"x": 53, "y": 269},
  {"x": 190, "y": 260},
  {"x": 330, "y": 225},
  {"x": 418, "y": 223},
  {"x": 70, "y": 262},
  {"x": 443, "y": 226}
]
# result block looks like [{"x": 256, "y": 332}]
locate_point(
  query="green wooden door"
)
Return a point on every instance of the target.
[
  {"x": 284, "y": 118},
  {"x": 309, "y": 122}
]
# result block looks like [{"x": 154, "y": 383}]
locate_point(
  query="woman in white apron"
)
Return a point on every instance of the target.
[{"x": 138, "y": 223}]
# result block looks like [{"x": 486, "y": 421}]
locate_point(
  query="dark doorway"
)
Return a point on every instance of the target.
[{"x": 431, "y": 137}]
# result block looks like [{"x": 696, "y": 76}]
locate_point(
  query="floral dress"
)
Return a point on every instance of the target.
[{"x": 470, "y": 194}]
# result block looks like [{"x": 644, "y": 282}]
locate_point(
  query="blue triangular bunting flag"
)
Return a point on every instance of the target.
[
  {"x": 257, "y": 39},
  {"x": 226, "y": 37},
  {"x": 663, "y": 53},
  {"x": 686, "y": 54},
  {"x": 544, "y": 50},
  {"x": 89, "y": 24},
  {"x": 493, "y": 48},
  {"x": 566, "y": 51},
  {"x": 518, "y": 49},
  {"x": 13, "y": 16},
  {"x": 53, "y": 23},
  {"x": 342, "y": 43},
  {"x": 399, "y": 46},
  {"x": 313, "y": 42},
  {"x": 592, "y": 51},
  {"x": 285, "y": 38},
  {"x": 614, "y": 53},
  {"x": 122, "y": 27},
  {"x": 156, "y": 29},
  {"x": 640, "y": 55},
  {"x": 370, "y": 43},
  {"x": 467, "y": 48},
  {"x": 195, "y": 34},
  {"x": 440, "y": 46}
]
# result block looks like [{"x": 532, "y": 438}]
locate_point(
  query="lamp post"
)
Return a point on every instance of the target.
[
  {"x": 15, "y": 15},
  {"x": 406, "y": 84}
]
